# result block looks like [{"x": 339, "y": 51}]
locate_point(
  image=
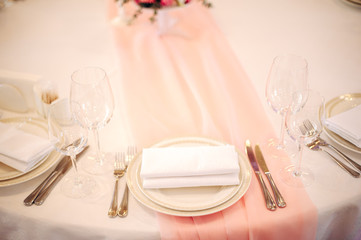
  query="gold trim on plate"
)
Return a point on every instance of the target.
[
  {"x": 338, "y": 105},
  {"x": 224, "y": 201},
  {"x": 10, "y": 176}
]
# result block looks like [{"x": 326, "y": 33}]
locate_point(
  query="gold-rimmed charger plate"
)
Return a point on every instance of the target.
[
  {"x": 10, "y": 176},
  {"x": 336, "y": 106},
  {"x": 195, "y": 201}
]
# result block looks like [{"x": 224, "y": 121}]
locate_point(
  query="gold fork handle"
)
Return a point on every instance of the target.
[
  {"x": 123, "y": 208},
  {"x": 343, "y": 166},
  {"x": 349, "y": 160},
  {"x": 112, "y": 212}
]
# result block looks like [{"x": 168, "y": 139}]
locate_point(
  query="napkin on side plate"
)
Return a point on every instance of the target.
[
  {"x": 172, "y": 167},
  {"x": 347, "y": 125},
  {"x": 21, "y": 150}
]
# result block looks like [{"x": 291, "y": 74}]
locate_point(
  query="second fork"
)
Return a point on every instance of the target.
[
  {"x": 123, "y": 208},
  {"x": 119, "y": 171},
  {"x": 320, "y": 142}
]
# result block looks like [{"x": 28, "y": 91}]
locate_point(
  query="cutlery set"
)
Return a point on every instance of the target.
[
  {"x": 120, "y": 167},
  {"x": 258, "y": 161},
  {"x": 39, "y": 195},
  {"x": 318, "y": 143},
  {"x": 119, "y": 171}
]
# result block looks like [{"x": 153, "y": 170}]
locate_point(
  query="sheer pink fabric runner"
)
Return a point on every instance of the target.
[{"x": 189, "y": 83}]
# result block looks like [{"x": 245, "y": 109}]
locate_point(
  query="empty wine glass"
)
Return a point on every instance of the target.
[
  {"x": 307, "y": 108},
  {"x": 92, "y": 103},
  {"x": 288, "y": 74},
  {"x": 69, "y": 138}
]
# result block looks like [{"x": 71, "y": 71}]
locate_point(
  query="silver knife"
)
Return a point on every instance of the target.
[
  {"x": 262, "y": 163},
  {"x": 29, "y": 200},
  {"x": 270, "y": 203},
  {"x": 49, "y": 187}
]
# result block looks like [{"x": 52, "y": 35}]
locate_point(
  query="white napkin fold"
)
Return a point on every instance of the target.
[
  {"x": 21, "y": 150},
  {"x": 347, "y": 125},
  {"x": 173, "y": 167}
]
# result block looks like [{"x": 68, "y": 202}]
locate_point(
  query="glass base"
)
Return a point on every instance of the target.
[
  {"x": 276, "y": 144},
  {"x": 92, "y": 165},
  {"x": 276, "y": 149},
  {"x": 79, "y": 186},
  {"x": 299, "y": 179}
]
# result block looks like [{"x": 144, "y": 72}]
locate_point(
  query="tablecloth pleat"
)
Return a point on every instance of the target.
[{"x": 188, "y": 82}]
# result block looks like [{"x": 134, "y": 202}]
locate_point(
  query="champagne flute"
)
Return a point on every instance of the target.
[
  {"x": 92, "y": 103},
  {"x": 307, "y": 106},
  {"x": 69, "y": 138},
  {"x": 288, "y": 74}
]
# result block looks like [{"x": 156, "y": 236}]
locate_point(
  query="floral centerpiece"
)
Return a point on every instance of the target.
[{"x": 156, "y": 5}]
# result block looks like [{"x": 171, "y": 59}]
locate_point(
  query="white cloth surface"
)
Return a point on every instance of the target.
[
  {"x": 189, "y": 166},
  {"x": 21, "y": 150},
  {"x": 347, "y": 124}
]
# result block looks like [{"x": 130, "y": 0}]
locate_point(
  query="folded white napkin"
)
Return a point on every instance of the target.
[
  {"x": 172, "y": 167},
  {"x": 21, "y": 150},
  {"x": 347, "y": 125}
]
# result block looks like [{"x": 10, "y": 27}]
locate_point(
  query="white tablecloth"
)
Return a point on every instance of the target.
[{"x": 54, "y": 38}]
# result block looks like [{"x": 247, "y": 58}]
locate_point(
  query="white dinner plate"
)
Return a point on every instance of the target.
[
  {"x": 338, "y": 105},
  {"x": 10, "y": 176},
  {"x": 193, "y": 201}
]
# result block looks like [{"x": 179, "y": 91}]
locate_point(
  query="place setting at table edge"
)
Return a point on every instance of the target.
[{"x": 172, "y": 187}]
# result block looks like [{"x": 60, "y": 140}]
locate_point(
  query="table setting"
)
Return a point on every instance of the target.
[{"x": 180, "y": 120}]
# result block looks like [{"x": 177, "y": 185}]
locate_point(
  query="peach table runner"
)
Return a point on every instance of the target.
[{"x": 188, "y": 82}]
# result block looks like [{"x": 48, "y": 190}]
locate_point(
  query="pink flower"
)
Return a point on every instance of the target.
[{"x": 167, "y": 2}]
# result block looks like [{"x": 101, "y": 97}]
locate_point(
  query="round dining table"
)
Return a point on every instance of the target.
[{"x": 52, "y": 39}]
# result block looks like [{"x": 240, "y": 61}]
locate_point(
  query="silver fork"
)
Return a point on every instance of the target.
[
  {"x": 123, "y": 208},
  {"x": 315, "y": 147},
  {"x": 119, "y": 171},
  {"x": 322, "y": 142}
]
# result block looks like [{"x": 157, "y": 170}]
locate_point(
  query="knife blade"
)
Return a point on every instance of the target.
[
  {"x": 270, "y": 203},
  {"x": 262, "y": 163},
  {"x": 29, "y": 200},
  {"x": 49, "y": 187}
]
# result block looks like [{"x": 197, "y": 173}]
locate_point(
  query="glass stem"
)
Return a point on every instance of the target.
[
  {"x": 75, "y": 166},
  {"x": 281, "y": 143},
  {"x": 297, "y": 172},
  {"x": 99, "y": 158}
]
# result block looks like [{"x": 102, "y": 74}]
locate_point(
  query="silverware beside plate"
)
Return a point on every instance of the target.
[
  {"x": 270, "y": 203},
  {"x": 262, "y": 163},
  {"x": 39, "y": 195}
]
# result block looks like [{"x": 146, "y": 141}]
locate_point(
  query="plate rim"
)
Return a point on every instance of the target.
[
  {"x": 40, "y": 123},
  {"x": 39, "y": 168},
  {"x": 232, "y": 188},
  {"x": 334, "y": 136},
  {"x": 142, "y": 198}
]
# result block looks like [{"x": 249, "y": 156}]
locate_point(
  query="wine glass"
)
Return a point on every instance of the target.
[
  {"x": 306, "y": 108},
  {"x": 92, "y": 103},
  {"x": 69, "y": 138},
  {"x": 288, "y": 74}
]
